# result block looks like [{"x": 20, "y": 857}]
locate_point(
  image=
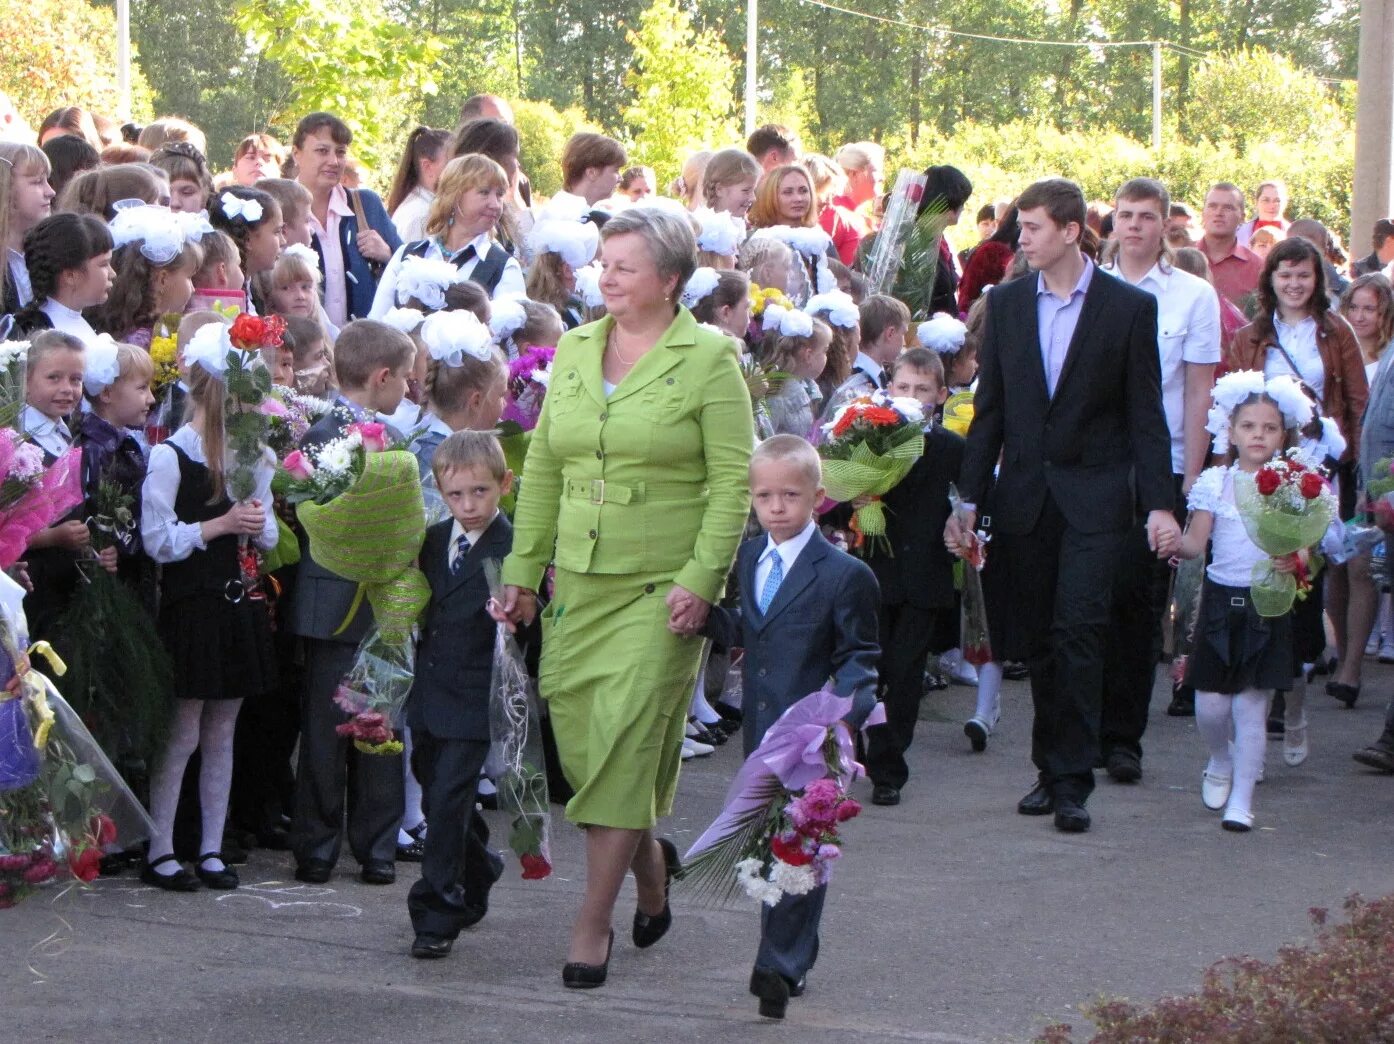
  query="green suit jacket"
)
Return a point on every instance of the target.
[{"x": 649, "y": 480}]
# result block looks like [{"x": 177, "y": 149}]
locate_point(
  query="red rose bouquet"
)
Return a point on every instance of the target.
[
  {"x": 870, "y": 444},
  {"x": 1286, "y": 506},
  {"x": 973, "y": 639}
]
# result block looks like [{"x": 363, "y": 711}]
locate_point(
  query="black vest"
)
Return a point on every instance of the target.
[
  {"x": 487, "y": 273},
  {"x": 213, "y": 569}
]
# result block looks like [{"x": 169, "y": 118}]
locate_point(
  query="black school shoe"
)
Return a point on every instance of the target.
[
  {"x": 431, "y": 947},
  {"x": 314, "y": 871},
  {"x": 223, "y": 880},
  {"x": 773, "y": 991},
  {"x": 378, "y": 872},
  {"x": 182, "y": 881}
]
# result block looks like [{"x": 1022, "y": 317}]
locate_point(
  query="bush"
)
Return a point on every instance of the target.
[
  {"x": 543, "y": 130},
  {"x": 1339, "y": 990}
]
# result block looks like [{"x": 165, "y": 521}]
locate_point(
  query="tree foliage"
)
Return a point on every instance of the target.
[
  {"x": 681, "y": 85},
  {"x": 63, "y": 52},
  {"x": 543, "y": 131}
]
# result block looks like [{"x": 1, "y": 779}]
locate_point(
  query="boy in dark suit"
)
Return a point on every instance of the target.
[
  {"x": 372, "y": 362},
  {"x": 448, "y": 710},
  {"x": 807, "y": 616},
  {"x": 917, "y": 578}
]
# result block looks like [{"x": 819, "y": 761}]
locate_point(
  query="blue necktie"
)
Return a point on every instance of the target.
[
  {"x": 462, "y": 548},
  {"x": 772, "y": 583}
]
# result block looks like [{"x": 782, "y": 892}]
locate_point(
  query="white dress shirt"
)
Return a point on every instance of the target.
[
  {"x": 68, "y": 320},
  {"x": 1300, "y": 341},
  {"x": 410, "y": 215},
  {"x": 511, "y": 283},
  {"x": 166, "y": 538},
  {"x": 1188, "y": 331},
  {"x": 19, "y": 276},
  {"x": 49, "y": 434},
  {"x": 788, "y": 553},
  {"x": 472, "y": 535},
  {"x": 869, "y": 366}
]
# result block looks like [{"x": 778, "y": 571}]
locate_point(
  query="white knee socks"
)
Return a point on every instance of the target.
[{"x": 989, "y": 694}]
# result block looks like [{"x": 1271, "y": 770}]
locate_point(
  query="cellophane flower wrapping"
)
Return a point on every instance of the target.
[
  {"x": 868, "y": 447},
  {"x": 515, "y": 732},
  {"x": 529, "y": 376},
  {"x": 1286, "y": 507},
  {"x": 883, "y": 262},
  {"x": 47, "y": 498},
  {"x": 14, "y": 358},
  {"x": 779, "y": 833},
  {"x": 1183, "y": 606},
  {"x": 74, "y": 806},
  {"x": 371, "y": 533},
  {"x": 974, "y": 639}
]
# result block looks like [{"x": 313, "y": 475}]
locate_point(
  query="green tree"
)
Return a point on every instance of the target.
[
  {"x": 480, "y": 50},
  {"x": 349, "y": 58},
  {"x": 63, "y": 52},
  {"x": 1253, "y": 96},
  {"x": 681, "y": 84},
  {"x": 542, "y": 132}
]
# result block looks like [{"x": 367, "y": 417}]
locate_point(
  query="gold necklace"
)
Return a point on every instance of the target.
[{"x": 615, "y": 347}]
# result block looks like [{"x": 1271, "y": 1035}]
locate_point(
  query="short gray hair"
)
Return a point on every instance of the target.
[{"x": 668, "y": 237}]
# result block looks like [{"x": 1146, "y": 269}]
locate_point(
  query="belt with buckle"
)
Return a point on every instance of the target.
[{"x": 600, "y": 491}]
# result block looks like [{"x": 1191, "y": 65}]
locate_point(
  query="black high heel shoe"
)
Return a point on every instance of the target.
[
  {"x": 578, "y": 976},
  {"x": 648, "y": 930}
]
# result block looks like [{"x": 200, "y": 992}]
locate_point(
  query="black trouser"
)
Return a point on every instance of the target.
[
  {"x": 457, "y": 868},
  {"x": 1134, "y": 643},
  {"x": 906, "y": 636},
  {"x": 789, "y": 934},
  {"x": 330, "y": 766},
  {"x": 1063, "y": 579}
]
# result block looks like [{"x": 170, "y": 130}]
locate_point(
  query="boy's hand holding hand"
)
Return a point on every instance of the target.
[
  {"x": 688, "y": 612},
  {"x": 960, "y": 531}
]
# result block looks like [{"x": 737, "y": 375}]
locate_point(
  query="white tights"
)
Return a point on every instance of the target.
[
  {"x": 1241, "y": 717},
  {"x": 989, "y": 693},
  {"x": 205, "y": 726}
]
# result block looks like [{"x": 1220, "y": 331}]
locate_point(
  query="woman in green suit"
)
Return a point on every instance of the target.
[{"x": 635, "y": 485}]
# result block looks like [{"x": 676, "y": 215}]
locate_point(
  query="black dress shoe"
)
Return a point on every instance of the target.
[
  {"x": 1015, "y": 671},
  {"x": 430, "y": 947},
  {"x": 1347, "y": 694},
  {"x": 314, "y": 871},
  {"x": 796, "y": 988},
  {"x": 411, "y": 853},
  {"x": 578, "y": 976},
  {"x": 224, "y": 880},
  {"x": 1182, "y": 705},
  {"x": 884, "y": 795},
  {"x": 1376, "y": 756},
  {"x": 648, "y": 930},
  {"x": 377, "y": 872},
  {"x": 180, "y": 881},
  {"x": 274, "y": 838},
  {"x": 1070, "y": 816},
  {"x": 1124, "y": 766},
  {"x": 773, "y": 991},
  {"x": 1037, "y": 803}
]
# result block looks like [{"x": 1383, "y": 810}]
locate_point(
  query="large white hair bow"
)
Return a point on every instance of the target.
[
  {"x": 588, "y": 286},
  {"x": 721, "y": 233},
  {"x": 575, "y": 242},
  {"x": 942, "y": 333},
  {"x": 210, "y": 347},
  {"x": 100, "y": 365},
  {"x": 838, "y": 308},
  {"x": 404, "y": 319},
  {"x": 235, "y": 207},
  {"x": 507, "y": 316},
  {"x": 790, "y": 322},
  {"x": 450, "y": 336},
  {"x": 304, "y": 253},
  {"x": 426, "y": 279},
  {"x": 158, "y": 230},
  {"x": 701, "y": 283}
]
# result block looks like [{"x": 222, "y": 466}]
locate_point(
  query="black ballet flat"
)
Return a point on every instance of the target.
[
  {"x": 183, "y": 881},
  {"x": 578, "y": 976},
  {"x": 648, "y": 930},
  {"x": 224, "y": 880},
  {"x": 1347, "y": 694}
]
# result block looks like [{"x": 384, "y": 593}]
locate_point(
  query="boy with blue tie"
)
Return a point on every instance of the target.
[
  {"x": 448, "y": 709},
  {"x": 808, "y": 619}
]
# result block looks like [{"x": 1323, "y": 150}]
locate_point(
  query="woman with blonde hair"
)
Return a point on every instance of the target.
[
  {"x": 728, "y": 183},
  {"x": 25, "y": 200},
  {"x": 461, "y": 230},
  {"x": 785, "y": 197},
  {"x": 687, "y": 186}
]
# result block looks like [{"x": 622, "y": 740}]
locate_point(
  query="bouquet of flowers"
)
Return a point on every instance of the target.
[
  {"x": 516, "y": 733},
  {"x": 778, "y": 833},
  {"x": 361, "y": 506},
  {"x": 164, "y": 353},
  {"x": 1286, "y": 506},
  {"x": 973, "y": 633},
  {"x": 870, "y": 444},
  {"x": 528, "y": 378},
  {"x": 291, "y": 416},
  {"x": 14, "y": 359},
  {"x": 61, "y": 802},
  {"x": 32, "y": 497},
  {"x": 250, "y": 404}
]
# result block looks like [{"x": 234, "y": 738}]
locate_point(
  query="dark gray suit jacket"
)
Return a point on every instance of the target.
[{"x": 821, "y": 626}]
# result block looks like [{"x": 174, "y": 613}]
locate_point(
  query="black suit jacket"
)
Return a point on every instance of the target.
[
  {"x": 821, "y": 625},
  {"x": 1101, "y": 446},
  {"x": 455, "y": 658},
  {"x": 921, "y": 573}
]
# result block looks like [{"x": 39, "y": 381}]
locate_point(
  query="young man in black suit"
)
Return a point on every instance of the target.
[
  {"x": 448, "y": 709},
  {"x": 916, "y": 577},
  {"x": 807, "y": 619},
  {"x": 1069, "y": 398}
]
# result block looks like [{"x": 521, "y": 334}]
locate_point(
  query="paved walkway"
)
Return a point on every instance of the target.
[{"x": 952, "y": 919}]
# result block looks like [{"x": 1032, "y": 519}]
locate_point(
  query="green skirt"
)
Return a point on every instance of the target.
[{"x": 618, "y": 685}]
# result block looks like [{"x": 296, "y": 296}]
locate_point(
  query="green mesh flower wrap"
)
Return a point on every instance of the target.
[
  {"x": 1281, "y": 524},
  {"x": 866, "y": 473},
  {"x": 372, "y": 534}
]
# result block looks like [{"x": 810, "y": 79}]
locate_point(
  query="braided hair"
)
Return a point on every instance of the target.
[
  {"x": 239, "y": 228},
  {"x": 57, "y": 244}
]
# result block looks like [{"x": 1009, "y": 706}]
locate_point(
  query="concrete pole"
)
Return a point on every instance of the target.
[
  {"x": 123, "y": 56},
  {"x": 1156, "y": 96},
  {"x": 1373, "y": 196},
  {"x": 752, "y": 12}
]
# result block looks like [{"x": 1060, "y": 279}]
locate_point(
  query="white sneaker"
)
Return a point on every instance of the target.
[
  {"x": 1295, "y": 743},
  {"x": 687, "y": 752},
  {"x": 1238, "y": 822},
  {"x": 699, "y": 750},
  {"x": 1386, "y": 651},
  {"x": 1214, "y": 790},
  {"x": 956, "y": 669}
]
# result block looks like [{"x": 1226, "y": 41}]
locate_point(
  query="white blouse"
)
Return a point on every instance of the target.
[
  {"x": 1232, "y": 554},
  {"x": 68, "y": 320},
  {"x": 410, "y": 215},
  {"x": 1300, "y": 340},
  {"x": 511, "y": 283},
  {"x": 166, "y": 538}
]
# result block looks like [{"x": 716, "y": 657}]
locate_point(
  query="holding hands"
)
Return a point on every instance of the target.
[
  {"x": 1163, "y": 533},
  {"x": 688, "y": 611}
]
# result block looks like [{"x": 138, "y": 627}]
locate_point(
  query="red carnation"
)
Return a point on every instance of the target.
[
  {"x": 103, "y": 829},
  {"x": 1311, "y": 485},
  {"x": 1296, "y": 465},
  {"x": 848, "y": 809},
  {"x": 535, "y": 867},
  {"x": 1267, "y": 481},
  {"x": 791, "y": 852},
  {"x": 86, "y": 865}
]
